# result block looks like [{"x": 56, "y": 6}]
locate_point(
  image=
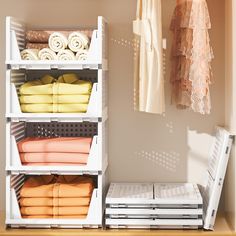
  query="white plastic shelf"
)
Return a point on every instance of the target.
[
  {"x": 156, "y": 213},
  {"x": 154, "y": 223},
  {"x": 15, "y": 42},
  {"x": 215, "y": 175},
  {"x": 128, "y": 194},
  {"x": 14, "y": 219},
  {"x": 97, "y": 107},
  {"x": 98, "y": 156}
]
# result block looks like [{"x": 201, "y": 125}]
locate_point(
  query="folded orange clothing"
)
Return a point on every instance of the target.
[
  {"x": 54, "y": 157},
  {"x": 54, "y": 217},
  {"x": 61, "y": 186},
  {"x": 47, "y": 210},
  {"x": 84, "y": 201},
  {"x": 61, "y": 144}
]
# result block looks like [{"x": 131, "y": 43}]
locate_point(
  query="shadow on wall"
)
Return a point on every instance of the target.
[{"x": 173, "y": 147}]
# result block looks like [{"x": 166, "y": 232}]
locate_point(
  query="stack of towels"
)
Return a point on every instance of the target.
[
  {"x": 64, "y": 197},
  {"x": 67, "y": 94},
  {"x": 50, "y": 45},
  {"x": 54, "y": 151}
]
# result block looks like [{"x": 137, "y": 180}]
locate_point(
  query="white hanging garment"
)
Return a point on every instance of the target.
[{"x": 148, "y": 71}]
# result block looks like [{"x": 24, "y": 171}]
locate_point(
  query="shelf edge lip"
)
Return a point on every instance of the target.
[{"x": 57, "y": 65}]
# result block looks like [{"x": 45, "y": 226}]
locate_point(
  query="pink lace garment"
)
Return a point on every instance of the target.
[{"x": 191, "y": 56}]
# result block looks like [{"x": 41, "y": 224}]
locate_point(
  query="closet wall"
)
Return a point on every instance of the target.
[
  {"x": 230, "y": 110},
  {"x": 142, "y": 147}
]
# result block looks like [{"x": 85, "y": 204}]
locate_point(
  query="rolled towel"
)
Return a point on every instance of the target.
[
  {"x": 30, "y": 54},
  {"x": 57, "y": 41},
  {"x": 37, "y": 36},
  {"x": 38, "y": 46},
  {"x": 47, "y": 54},
  {"x": 81, "y": 55},
  {"x": 65, "y": 55},
  {"x": 78, "y": 41}
]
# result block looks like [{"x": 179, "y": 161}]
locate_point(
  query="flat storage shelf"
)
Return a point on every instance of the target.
[
  {"x": 97, "y": 107},
  {"x": 97, "y": 159},
  {"x": 15, "y": 42},
  {"x": 14, "y": 219}
]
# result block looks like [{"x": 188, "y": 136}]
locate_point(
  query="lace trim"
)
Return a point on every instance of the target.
[{"x": 191, "y": 55}]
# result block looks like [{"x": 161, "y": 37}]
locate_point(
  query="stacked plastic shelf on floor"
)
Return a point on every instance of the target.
[
  {"x": 171, "y": 206},
  {"x": 154, "y": 206},
  {"x": 91, "y": 124}
]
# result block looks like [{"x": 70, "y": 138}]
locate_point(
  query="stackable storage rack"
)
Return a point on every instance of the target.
[
  {"x": 20, "y": 125},
  {"x": 172, "y": 205}
]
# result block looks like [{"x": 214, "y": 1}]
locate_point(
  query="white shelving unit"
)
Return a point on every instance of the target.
[
  {"x": 20, "y": 125},
  {"x": 14, "y": 219},
  {"x": 97, "y": 107},
  {"x": 15, "y": 42}
]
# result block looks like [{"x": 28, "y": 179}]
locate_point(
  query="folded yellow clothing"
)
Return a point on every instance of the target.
[
  {"x": 67, "y": 84},
  {"x": 82, "y": 210},
  {"x": 49, "y": 201},
  {"x": 49, "y": 99},
  {"x": 54, "y": 108}
]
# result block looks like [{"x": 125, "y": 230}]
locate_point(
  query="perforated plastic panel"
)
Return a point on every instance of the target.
[
  {"x": 177, "y": 194},
  {"x": 120, "y": 193},
  {"x": 216, "y": 174},
  {"x": 167, "y": 194},
  {"x": 55, "y": 129}
]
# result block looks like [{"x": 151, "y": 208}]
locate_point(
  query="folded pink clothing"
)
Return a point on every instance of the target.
[
  {"x": 52, "y": 157},
  {"x": 52, "y": 164},
  {"x": 61, "y": 144}
]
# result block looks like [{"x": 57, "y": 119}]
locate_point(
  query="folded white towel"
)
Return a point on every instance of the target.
[
  {"x": 78, "y": 41},
  {"x": 81, "y": 55},
  {"x": 30, "y": 54},
  {"x": 47, "y": 54},
  {"x": 65, "y": 55},
  {"x": 57, "y": 41}
]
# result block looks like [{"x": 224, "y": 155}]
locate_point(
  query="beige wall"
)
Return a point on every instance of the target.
[
  {"x": 142, "y": 147},
  {"x": 230, "y": 114}
]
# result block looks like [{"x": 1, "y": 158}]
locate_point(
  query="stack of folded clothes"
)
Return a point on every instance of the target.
[
  {"x": 54, "y": 151},
  {"x": 67, "y": 94},
  {"x": 56, "y": 197},
  {"x": 56, "y": 45}
]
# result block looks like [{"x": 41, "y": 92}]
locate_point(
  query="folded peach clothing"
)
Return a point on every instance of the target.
[
  {"x": 55, "y": 217},
  {"x": 55, "y": 145},
  {"x": 51, "y": 164},
  {"x": 82, "y": 210},
  {"x": 32, "y": 202},
  {"x": 57, "y": 187},
  {"x": 54, "y": 157}
]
